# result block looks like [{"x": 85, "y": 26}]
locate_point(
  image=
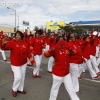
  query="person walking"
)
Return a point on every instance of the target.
[
  {"x": 19, "y": 51},
  {"x": 60, "y": 71}
]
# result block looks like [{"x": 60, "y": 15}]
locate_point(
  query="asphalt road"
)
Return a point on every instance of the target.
[{"x": 39, "y": 88}]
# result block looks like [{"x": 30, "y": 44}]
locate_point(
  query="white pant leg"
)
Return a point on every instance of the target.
[
  {"x": 98, "y": 59},
  {"x": 38, "y": 62},
  {"x": 50, "y": 64},
  {"x": 74, "y": 71},
  {"x": 69, "y": 87},
  {"x": 47, "y": 47},
  {"x": 82, "y": 67},
  {"x": 19, "y": 76},
  {"x": 55, "y": 87},
  {"x": 97, "y": 51},
  {"x": 23, "y": 71},
  {"x": 92, "y": 72},
  {"x": 94, "y": 62},
  {"x": 40, "y": 57},
  {"x": 3, "y": 54},
  {"x": 28, "y": 61}
]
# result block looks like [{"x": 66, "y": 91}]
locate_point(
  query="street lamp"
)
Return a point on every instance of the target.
[
  {"x": 18, "y": 19},
  {"x": 15, "y": 16}
]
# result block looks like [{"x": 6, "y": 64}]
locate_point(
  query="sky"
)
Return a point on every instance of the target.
[{"x": 38, "y": 12}]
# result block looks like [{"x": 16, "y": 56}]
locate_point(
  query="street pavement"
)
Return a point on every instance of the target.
[{"x": 39, "y": 88}]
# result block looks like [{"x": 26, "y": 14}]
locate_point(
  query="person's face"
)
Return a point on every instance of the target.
[
  {"x": 72, "y": 37},
  {"x": 37, "y": 35},
  {"x": 18, "y": 37},
  {"x": 60, "y": 38},
  {"x": 30, "y": 37}
]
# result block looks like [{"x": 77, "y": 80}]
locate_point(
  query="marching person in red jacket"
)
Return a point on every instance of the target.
[
  {"x": 38, "y": 45},
  {"x": 18, "y": 57},
  {"x": 60, "y": 71},
  {"x": 52, "y": 42},
  {"x": 86, "y": 55},
  {"x": 30, "y": 43},
  {"x": 76, "y": 60}
]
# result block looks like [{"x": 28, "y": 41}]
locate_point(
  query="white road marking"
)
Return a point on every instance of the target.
[{"x": 91, "y": 80}]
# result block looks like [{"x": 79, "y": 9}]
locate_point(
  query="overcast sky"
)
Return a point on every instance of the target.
[{"x": 38, "y": 12}]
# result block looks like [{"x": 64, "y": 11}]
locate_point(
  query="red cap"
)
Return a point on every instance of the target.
[{"x": 61, "y": 44}]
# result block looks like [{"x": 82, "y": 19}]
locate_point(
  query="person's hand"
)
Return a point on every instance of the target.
[{"x": 4, "y": 41}]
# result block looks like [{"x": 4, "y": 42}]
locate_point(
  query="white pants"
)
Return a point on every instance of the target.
[
  {"x": 98, "y": 60},
  {"x": 47, "y": 47},
  {"x": 19, "y": 77},
  {"x": 94, "y": 63},
  {"x": 82, "y": 67},
  {"x": 97, "y": 51},
  {"x": 92, "y": 72},
  {"x": 38, "y": 59},
  {"x": 74, "y": 71},
  {"x": 3, "y": 54},
  {"x": 50, "y": 63},
  {"x": 57, "y": 81}
]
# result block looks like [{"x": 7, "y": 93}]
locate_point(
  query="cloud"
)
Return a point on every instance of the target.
[{"x": 38, "y": 12}]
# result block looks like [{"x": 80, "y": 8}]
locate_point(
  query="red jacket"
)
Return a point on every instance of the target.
[
  {"x": 86, "y": 50},
  {"x": 19, "y": 52},
  {"x": 77, "y": 57},
  {"x": 92, "y": 47},
  {"x": 38, "y": 44},
  {"x": 80, "y": 43},
  {"x": 62, "y": 59},
  {"x": 30, "y": 43},
  {"x": 52, "y": 42}
]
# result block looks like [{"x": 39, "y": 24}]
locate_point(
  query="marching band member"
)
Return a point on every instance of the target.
[
  {"x": 60, "y": 71},
  {"x": 18, "y": 57}
]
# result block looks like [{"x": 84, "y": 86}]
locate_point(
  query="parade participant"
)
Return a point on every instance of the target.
[
  {"x": 83, "y": 67},
  {"x": 60, "y": 71},
  {"x": 93, "y": 52},
  {"x": 18, "y": 57},
  {"x": 86, "y": 55},
  {"x": 38, "y": 45},
  {"x": 2, "y": 51},
  {"x": 29, "y": 41},
  {"x": 52, "y": 42},
  {"x": 76, "y": 60}
]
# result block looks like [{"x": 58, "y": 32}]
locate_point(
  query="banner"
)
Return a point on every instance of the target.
[
  {"x": 25, "y": 23},
  {"x": 54, "y": 25}
]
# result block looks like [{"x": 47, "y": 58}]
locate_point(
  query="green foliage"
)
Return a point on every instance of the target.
[
  {"x": 68, "y": 28},
  {"x": 36, "y": 28}
]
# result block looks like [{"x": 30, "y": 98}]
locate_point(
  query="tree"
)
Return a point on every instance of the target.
[
  {"x": 68, "y": 28},
  {"x": 36, "y": 28}
]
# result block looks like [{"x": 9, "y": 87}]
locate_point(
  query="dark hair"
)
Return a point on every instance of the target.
[
  {"x": 40, "y": 32},
  {"x": 58, "y": 38},
  {"x": 85, "y": 37},
  {"x": 20, "y": 33},
  {"x": 31, "y": 35},
  {"x": 69, "y": 36},
  {"x": 79, "y": 36}
]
